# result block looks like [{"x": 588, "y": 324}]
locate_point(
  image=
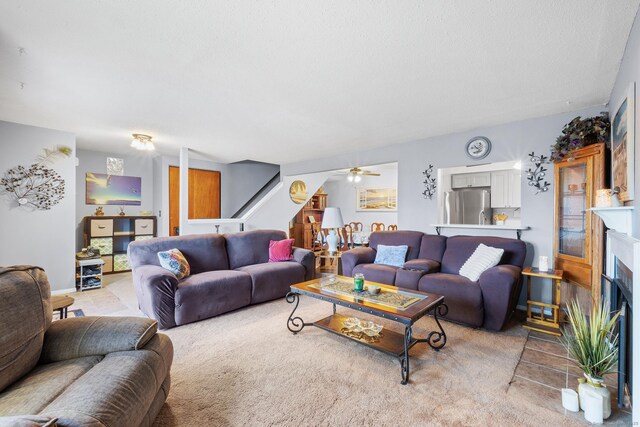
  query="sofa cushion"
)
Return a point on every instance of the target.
[
  {"x": 482, "y": 259},
  {"x": 432, "y": 247},
  {"x": 460, "y": 248},
  {"x": 33, "y": 392},
  {"x": 175, "y": 262},
  {"x": 391, "y": 255},
  {"x": 408, "y": 279},
  {"x": 208, "y": 294},
  {"x": 395, "y": 238},
  {"x": 377, "y": 273},
  {"x": 26, "y": 314},
  {"x": 426, "y": 265},
  {"x": 250, "y": 247},
  {"x": 462, "y": 296},
  {"x": 118, "y": 390},
  {"x": 281, "y": 250},
  {"x": 204, "y": 252},
  {"x": 272, "y": 280}
]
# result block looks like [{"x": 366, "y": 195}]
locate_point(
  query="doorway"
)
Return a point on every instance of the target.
[{"x": 204, "y": 196}]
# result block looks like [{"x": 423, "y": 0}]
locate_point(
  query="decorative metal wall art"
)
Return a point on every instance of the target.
[
  {"x": 535, "y": 176},
  {"x": 429, "y": 182},
  {"x": 36, "y": 186}
]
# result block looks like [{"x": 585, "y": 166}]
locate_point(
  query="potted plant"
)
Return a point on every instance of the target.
[
  {"x": 579, "y": 133},
  {"x": 591, "y": 341}
]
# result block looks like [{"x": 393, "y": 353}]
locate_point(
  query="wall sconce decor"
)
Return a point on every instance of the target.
[
  {"x": 429, "y": 182},
  {"x": 536, "y": 175}
]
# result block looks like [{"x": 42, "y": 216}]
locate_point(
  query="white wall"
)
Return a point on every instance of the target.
[
  {"x": 278, "y": 210},
  {"x": 630, "y": 72},
  {"x": 343, "y": 194},
  {"x": 93, "y": 161},
  {"x": 38, "y": 237},
  {"x": 511, "y": 141}
]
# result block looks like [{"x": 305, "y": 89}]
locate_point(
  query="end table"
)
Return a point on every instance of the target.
[
  {"x": 548, "y": 324},
  {"x": 61, "y": 303}
]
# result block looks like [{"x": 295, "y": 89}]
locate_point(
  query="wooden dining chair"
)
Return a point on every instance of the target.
[
  {"x": 316, "y": 237},
  {"x": 349, "y": 238},
  {"x": 392, "y": 227},
  {"x": 377, "y": 226},
  {"x": 356, "y": 226},
  {"x": 343, "y": 245}
]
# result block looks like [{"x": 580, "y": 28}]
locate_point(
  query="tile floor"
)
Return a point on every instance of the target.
[
  {"x": 545, "y": 367},
  {"x": 543, "y": 370}
]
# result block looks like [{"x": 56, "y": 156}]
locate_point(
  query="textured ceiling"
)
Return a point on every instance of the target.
[{"x": 280, "y": 81}]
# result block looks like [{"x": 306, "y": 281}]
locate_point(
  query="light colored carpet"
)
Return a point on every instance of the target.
[{"x": 246, "y": 369}]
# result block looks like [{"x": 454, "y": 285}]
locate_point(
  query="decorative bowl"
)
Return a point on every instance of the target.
[{"x": 373, "y": 289}]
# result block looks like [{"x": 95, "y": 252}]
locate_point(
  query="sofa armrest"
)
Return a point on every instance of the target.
[
  {"x": 95, "y": 336},
  {"x": 356, "y": 256},
  {"x": 308, "y": 260},
  {"x": 28, "y": 421},
  {"x": 500, "y": 286},
  {"x": 425, "y": 265},
  {"x": 156, "y": 290}
]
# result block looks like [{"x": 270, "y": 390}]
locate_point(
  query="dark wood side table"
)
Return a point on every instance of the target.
[
  {"x": 61, "y": 304},
  {"x": 542, "y": 322}
]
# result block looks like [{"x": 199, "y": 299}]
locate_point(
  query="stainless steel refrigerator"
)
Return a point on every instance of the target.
[{"x": 468, "y": 206}]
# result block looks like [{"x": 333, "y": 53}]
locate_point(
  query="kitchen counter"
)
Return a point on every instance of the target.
[{"x": 517, "y": 228}]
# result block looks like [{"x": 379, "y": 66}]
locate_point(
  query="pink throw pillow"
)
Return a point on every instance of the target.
[{"x": 280, "y": 250}]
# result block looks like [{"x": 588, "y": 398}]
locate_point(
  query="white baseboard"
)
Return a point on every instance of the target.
[{"x": 63, "y": 291}]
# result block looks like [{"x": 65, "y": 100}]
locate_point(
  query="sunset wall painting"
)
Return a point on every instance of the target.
[
  {"x": 103, "y": 189},
  {"x": 377, "y": 199}
]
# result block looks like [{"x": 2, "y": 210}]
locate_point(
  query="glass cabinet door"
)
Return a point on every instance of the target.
[{"x": 572, "y": 209}]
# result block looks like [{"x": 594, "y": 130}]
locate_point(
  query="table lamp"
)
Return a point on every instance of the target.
[{"x": 332, "y": 219}]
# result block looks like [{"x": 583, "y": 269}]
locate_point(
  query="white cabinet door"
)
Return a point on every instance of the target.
[
  {"x": 481, "y": 179},
  {"x": 514, "y": 194},
  {"x": 499, "y": 189},
  {"x": 460, "y": 180}
]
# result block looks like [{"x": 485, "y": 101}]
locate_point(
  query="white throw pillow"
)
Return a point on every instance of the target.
[{"x": 483, "y": 258}]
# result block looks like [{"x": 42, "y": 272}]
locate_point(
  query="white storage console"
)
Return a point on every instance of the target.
[{"x": 89, "y": 274}]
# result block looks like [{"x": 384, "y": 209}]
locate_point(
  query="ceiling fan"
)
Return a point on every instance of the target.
[{"x": 356, "y": 174}]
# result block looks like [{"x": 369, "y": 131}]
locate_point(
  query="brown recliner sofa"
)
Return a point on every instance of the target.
[{"x": 84, "y": 371}]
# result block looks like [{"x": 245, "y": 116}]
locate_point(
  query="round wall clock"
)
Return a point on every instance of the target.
[{"x": 478, "y": 147}]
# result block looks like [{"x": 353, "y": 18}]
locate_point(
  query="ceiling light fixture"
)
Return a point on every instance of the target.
[
  {"x": 356, "y": 174},
  {"x": 142, "y": 142}
]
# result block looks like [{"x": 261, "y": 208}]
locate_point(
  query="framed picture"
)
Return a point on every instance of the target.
[
  {"x": 298, "y": 192},
  {"x": 103, "y": 189},
  {"x": 377, "y": 199},
  {"x": 622, "y": 145}
]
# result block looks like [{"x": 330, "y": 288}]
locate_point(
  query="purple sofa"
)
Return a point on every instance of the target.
[
  {"x": 228, "y": 272},
  {"x": 432, "y": 265}
]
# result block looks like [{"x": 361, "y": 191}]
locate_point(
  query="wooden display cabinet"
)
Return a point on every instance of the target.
[
  {"x": 579, "y": 233},
  {"x": 302, "y": 225}
]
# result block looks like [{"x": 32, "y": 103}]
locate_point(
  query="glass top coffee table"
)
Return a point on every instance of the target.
[{"x": 397, "y": 304}]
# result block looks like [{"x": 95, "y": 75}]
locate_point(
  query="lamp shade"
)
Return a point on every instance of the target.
[{"x": 332, "y": 218}]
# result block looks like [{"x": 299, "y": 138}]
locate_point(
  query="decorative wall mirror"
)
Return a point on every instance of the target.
[{"x": 298, "y": 192}]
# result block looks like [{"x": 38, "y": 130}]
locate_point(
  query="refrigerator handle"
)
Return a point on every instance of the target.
[{"x": 447, "y": 208}]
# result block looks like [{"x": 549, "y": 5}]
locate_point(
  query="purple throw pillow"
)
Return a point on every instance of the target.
[{"x": 280, "y": 250}]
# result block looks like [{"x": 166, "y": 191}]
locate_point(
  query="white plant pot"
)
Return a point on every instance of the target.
[{"x": 585, "y": 388}]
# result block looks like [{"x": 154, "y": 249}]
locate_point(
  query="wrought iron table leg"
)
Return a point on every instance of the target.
[
  {"x": 295, "y": 324},
  {"x": 334, "y": 309},
  {"x": 404, "y": 359},
  {"x": 436, "y": 339}
]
